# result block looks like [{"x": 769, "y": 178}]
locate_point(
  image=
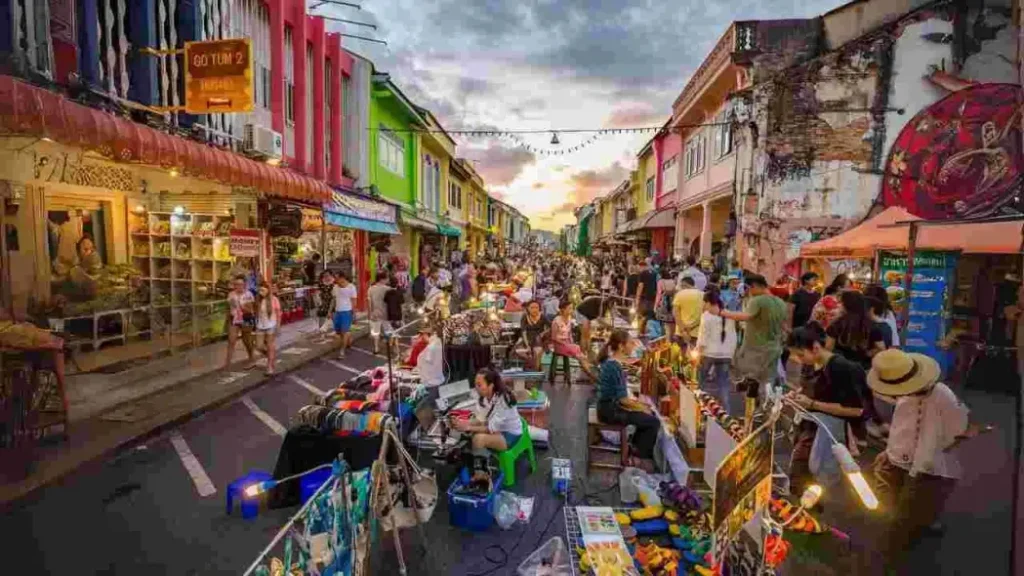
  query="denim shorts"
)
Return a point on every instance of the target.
[
  {"x": 342, "y": 321},
  {"x": 510, "y": 438}
]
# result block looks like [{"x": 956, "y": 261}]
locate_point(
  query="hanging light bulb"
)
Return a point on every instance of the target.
[{"x": 554, "y": 138}]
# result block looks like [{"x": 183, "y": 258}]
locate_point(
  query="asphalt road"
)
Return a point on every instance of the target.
[{"x": 151, "y": 509}]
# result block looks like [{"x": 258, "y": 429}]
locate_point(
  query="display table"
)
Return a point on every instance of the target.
[{"x": 305, "y": 448}]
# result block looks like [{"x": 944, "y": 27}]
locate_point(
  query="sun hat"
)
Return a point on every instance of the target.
[{"x": 898, "y": 373}]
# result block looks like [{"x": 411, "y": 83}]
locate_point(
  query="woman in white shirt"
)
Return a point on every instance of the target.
[
  {"x": 917, "y": 469},
  {"x": 496, "y": 425},
  {"x": 716, "y": 343}
]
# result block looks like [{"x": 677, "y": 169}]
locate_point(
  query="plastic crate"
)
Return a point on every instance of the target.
[{"x": 472, "y": 512}]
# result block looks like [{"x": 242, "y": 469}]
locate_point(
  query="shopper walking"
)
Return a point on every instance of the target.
[
  {"x": 918, "y": 470},
  {"x": 700, "y": 280},
  {"x": 646, "y": 295},
  {"x": 268, "y": 319},
  {"x": 828, "y": 307},
  {"x": 856, "y": 337},
  {"x": 325, "y": 304},
  {"x": 241, "y": 320},
  {"x": 687, "y": 307},
  {"x": 765, "y": 316},
  {"x": 884, "y": 317},
  {"x": 716, "y": 344},
  {"x": 613, "y": 404},
  {"x": 344, "y": 294},
  {"x": 378, "y": 308},
  {"x": 803, "y": 300}
]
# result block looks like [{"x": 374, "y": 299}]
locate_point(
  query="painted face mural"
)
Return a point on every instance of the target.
[{"x": 960, "y": 156}]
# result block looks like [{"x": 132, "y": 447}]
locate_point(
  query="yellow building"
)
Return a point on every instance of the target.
[
  {"x": 476, "y": 207},
  {"x": 646, "y": 177},
  {"x": 437, "y": 150}
]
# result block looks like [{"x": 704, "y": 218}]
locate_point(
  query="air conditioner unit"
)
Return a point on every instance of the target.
[{"x": 263, "y": 142}]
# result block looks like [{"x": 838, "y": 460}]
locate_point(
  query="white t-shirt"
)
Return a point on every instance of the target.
[
  {"x": 503, "y": 418},
  {"x": 709, "y": 337},
  {"x": 237, "y": 302},
  {"x": 343, "y": 297},
  {"x": 430, "y": 363}
]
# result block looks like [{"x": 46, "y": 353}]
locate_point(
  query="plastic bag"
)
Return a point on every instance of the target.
[
  {"x": 551, "y": 559},
  {"x": 510, "y": 508},
  {"x": 628, "y": 492}
]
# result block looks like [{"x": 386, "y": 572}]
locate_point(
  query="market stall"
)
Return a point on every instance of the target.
[{"x": 950, "y": 294}]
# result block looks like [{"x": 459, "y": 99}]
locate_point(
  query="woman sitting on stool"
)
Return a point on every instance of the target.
[
  {"x": 611, "y": 392},
  {"x": 496, "y": 424}
]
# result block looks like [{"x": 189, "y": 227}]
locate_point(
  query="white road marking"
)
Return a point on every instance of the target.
[
  {"x": 337, "y": 364},
  {"x": 263, "y": 416},
  {"x": 202, "y": 481},
  {"x": 368, "y": 353},
  {"x": 294, "y": 351},
  {"x": 231, "y": 377},
  {"x": 307, "y": 385}
]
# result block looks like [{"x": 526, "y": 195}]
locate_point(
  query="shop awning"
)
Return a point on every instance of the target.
[
  {"x": 883, "y": 232},
  {"x": 409, "y": 218},
  {"x": 28, "y": 110},
  {"x": 450, "y": 231},
  {"x": 662, "y": 218},
  {"x": 352, "y": 210}
]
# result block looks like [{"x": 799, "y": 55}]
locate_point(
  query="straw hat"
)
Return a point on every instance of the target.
[{"x": 897, "y": 373}]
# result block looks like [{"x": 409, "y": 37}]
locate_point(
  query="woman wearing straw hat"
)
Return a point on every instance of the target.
[{"x": 917, "y": 470}]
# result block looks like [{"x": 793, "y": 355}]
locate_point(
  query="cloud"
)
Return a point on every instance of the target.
[
  {"x": 635, "y": 115},
  {"x": 589, "y": 184},
  {"x": 500, "y": 165}
]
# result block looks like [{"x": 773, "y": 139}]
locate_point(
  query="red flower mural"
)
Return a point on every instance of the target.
[{"x": 960, "y": 157}]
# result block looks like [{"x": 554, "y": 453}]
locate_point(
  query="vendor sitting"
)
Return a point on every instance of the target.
[
  {"x": 496, "y": 424},
  {"x": 613, "y": 403}
]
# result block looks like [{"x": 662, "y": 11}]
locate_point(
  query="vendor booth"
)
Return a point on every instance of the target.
[{"x": 948, "y": 282}]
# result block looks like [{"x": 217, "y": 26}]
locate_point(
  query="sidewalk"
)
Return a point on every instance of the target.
[{"x": 110, "y": 412}]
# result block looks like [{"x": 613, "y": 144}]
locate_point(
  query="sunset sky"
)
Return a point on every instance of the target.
[{"x": 555, "y": 64}]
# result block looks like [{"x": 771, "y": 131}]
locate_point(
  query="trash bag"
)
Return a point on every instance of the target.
[
  {"x": 551, "y": 559},
  {"x": 628, "y": 492}
]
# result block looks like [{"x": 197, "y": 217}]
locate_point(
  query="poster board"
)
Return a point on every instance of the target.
[
  {"x": 930, "y": 315},
  {"x": 689, "y": 416},
  {"x": 742, "y": 489},
  {"x": 717, "y": 445},
  {"x": 245, "y": 243},
  {"x": 603, "y": 541}
]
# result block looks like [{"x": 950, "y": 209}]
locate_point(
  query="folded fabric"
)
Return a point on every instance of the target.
[{"x": 355, "y": 405}]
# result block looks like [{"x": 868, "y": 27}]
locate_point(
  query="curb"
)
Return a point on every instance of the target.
[{"x": 13, "y": 493}]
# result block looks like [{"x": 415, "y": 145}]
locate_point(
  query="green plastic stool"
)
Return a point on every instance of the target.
[{"x": 507, "y": 459}]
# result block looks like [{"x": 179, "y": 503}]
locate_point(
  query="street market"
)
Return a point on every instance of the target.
[{"x": 330, "y": 288}]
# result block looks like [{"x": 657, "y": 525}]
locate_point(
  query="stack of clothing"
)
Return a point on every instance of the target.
[{"x": 343, "y": 422}]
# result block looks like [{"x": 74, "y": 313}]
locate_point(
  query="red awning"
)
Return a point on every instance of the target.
[{"x": 30, "y": 110}]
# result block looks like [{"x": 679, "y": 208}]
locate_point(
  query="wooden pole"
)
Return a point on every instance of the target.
[{"x": 909, "y": 280}]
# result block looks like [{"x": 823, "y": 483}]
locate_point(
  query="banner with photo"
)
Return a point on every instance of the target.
[{"x": 743, "y": 485}]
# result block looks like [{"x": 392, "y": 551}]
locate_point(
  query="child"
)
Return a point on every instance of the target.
[
  {"x": 268, "y": 318},
  {"x": 344, "y": 293}
]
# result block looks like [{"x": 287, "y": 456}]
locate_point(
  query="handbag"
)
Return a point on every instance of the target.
[{"x": 391, "y": 500}]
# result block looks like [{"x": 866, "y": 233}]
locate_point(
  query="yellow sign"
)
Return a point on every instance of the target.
[{"x": 218, "y": 76}]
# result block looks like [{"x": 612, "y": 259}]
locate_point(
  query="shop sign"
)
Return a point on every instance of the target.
[
  {"x": 284, "y": 221},
  {"x": 353, "y": 205},
  {"x": 929, "y": 314},
  {"x": 245, "y": 243},
  {"x": 218, "y": 76},
  {"x": 743, "y": 485}
]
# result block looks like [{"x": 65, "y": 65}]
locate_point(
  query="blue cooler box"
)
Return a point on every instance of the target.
[{"x": 472, "y": 512}]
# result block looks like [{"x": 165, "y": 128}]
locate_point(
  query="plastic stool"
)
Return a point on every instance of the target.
[
  {"x": 507, "y": 459},
  {"x": 250, "y": 506},
  {"x": 311, "y": 482}
]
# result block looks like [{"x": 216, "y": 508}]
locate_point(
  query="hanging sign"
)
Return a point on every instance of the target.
[
  {"x": 218, "y": 76},
  {"x": 284, "y": 221},
  {"x": 245, "y": 243},
  {"x": 359, "y": 207}
]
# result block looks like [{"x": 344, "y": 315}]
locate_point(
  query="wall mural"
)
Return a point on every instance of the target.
[{"x": 960, "y": 157}]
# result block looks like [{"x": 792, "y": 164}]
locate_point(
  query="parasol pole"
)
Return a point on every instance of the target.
[{"x": 909, "y": 280}]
